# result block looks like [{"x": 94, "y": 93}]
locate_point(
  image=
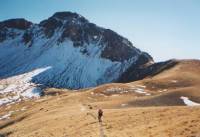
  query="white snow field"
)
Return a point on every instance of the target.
[{"x": 19, "y": 87}]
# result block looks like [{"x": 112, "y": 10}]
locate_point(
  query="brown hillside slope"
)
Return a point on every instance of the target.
[{"x": 147, "y": 108}]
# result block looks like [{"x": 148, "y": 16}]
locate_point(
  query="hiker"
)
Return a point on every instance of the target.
[{"x": 100, "y": 114}]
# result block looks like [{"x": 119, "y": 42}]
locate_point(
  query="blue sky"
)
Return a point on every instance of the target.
[{"x": 164, "y": 28}]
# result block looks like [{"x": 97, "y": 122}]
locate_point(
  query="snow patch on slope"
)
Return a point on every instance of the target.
[
  {"x": 6, "y": 116},
  {"x": 141, "y": 91},
  {"x": 18, "y": 87},
  {"x": 32, "y": 92},
  {"x": 9, "y": 99},
  {"x": 189, "y": 102},
  {"x": 9, "y": 114}
]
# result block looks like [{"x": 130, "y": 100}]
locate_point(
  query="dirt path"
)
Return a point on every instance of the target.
[{"x": 101, "y": 129}]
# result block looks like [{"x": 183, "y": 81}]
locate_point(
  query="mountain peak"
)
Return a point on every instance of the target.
[
  {"x": 18, "y": 23},
  {"x": 60, "y": 19},
  {"x": 67, "y": 15}
]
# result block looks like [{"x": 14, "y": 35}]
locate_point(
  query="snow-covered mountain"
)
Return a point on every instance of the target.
[{"x": 64, "y": 51}]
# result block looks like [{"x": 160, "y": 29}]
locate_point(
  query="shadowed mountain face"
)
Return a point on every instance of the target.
[{"x": 68, "y": 51}]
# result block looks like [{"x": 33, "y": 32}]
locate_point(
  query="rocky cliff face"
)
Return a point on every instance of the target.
[{"x": 70, "y": 51}]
